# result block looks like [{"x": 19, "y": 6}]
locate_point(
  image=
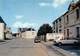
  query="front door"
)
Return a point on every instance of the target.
[
  {"x": 78, "y": 32},
  {"x": 67, "y": 33}
]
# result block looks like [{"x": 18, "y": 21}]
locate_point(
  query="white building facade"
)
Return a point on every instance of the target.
[
  {"x": 29, "y": 34},
  {"x": 69, "y": 23},
  {"x": 2, "y": 29}
]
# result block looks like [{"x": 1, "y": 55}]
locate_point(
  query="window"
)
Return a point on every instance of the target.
[
  {"x": 60, "y": 26},
  {"x": 54, "y": 27},
  {"x": 60, "y": 31},
  {"x": 78, "y": 31},
  {"x": 67, "y": 19},
  {"x": 56, "y": 21},
  {"x": 77, "y": 13},
  {"x": 60, "y": 19},
  {"x": 68, "y": 33},
  {"x": 54, "y": 31},
  {"x": 64, "y": 32},
  {"x": 60, "y": 23}
]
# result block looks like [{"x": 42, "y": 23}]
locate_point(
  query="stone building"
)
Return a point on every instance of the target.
[
  {"x": 2, "y": 29},
  {"x": 69, "y": 22}
]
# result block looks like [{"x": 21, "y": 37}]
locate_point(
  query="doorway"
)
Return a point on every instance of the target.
[
  {"x": 78, "y": 32},
  {"x": 67, "y": 33}
]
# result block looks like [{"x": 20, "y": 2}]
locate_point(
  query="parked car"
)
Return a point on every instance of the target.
[
  {"x": 37, "y": 40},
  {"x": 61, "y": 41}
]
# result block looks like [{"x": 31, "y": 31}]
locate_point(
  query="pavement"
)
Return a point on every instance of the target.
[
  {"x": 65, "y": 50},
  {"x": 51, "y": 51},
  {"x": 4, "y": 41}
]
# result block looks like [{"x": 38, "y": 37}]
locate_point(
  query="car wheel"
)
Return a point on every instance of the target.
[
  {"x": 60, "y": 44},
  {"x": 75, "y": 43},
  {"x": 55, "y": 43}
]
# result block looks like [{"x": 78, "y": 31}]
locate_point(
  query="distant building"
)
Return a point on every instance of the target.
[
  {"x": 69, "y": 23},
  {"x": 8, "y": 33},
  {"x": 27, "y": 32},
  {"x": 25, "y": 29},
  {"x": 16, "y": 35}
]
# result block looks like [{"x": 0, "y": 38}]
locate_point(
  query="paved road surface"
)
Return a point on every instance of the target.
[
  {"x": 25, "y": 47},
  {"x": 22, "y": 47}
]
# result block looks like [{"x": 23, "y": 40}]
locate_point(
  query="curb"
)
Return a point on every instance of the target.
[
  {"x": 5, "y": 41},
  {"x": 65, "y": 53}
]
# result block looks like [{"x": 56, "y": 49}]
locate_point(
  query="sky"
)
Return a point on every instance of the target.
[{"x": 31, "y": 13}]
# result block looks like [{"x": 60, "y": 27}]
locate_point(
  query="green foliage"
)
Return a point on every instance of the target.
[{"x": 44, "y": 29}]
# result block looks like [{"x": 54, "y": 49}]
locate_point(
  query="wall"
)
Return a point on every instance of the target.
[
  {"x": 1, "y": 31},
  {"x": 50, "y": 36},
  {"x": 73, "y": 23},
  {"x": 29, "y": 34}
]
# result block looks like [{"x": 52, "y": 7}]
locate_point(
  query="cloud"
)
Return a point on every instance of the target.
[
  {"x": 19, "y": 16},
  {"x": 19, "y": 24},
  {"x": 44, "y": 4},
  {"x": 55, "y": 3}
]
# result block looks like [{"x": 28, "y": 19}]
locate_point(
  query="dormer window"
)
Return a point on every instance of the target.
[{"x": 72, "y": 5}]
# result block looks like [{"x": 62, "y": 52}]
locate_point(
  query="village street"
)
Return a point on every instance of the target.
[{"x": 25, "y": 47}]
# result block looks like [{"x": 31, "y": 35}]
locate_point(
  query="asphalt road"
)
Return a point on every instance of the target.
[
  {"x": 25, "y": 47},
  {"x": 22, "y": 47}
]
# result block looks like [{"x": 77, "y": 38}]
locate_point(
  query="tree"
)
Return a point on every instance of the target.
[{"x": 44, "y": 29}]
